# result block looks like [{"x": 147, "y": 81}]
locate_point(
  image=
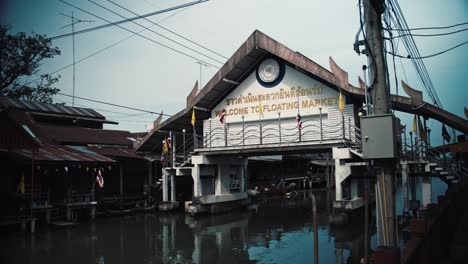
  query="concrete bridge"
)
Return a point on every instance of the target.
[{"x": 263, "y": 92}]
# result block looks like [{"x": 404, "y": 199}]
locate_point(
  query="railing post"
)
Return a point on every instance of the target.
[
  {"x": 300, "y": 134},
  {"x": 343, "y": 125},
  {"x": 261, "y": 132},
  {"x": 210, "y": 134},
  {"x": 279, "y": 126},
  {"x": 225, "y": 135},
  {"x": 183, "y": 140},
  {"x": 321, "y": 124},
  {"x": 404, "y": 141},
  {"x": 411, "y": 143},
  {"x": 349, "y": 126},
  {"x": 243, "y": 131}
]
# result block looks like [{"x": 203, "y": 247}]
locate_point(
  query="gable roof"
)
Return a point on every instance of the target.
[{"x": 257, "y": 47}]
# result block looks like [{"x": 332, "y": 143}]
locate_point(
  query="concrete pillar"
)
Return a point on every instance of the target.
[
  {"x": 342, "y": 170},
  {"x": 218, "y": 180},
  {"x": 165, "y": 185},
  {"x": 173, "y": 188},
  {"x": 196, "y": 255},
  {"x": 354, "y": 189},
  {"x": 197, "y": 189},
  {"x": 93, "y": 212},
  {"x": 404, "y": 186},
  {"x": 165, "y": 240},
  {"x": 426, "y": 190}
]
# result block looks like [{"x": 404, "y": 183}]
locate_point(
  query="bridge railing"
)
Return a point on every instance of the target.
[{"x": 274, "y": 132}]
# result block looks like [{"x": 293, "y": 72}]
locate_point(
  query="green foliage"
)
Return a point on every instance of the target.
[{"x": 20, "y": 57}]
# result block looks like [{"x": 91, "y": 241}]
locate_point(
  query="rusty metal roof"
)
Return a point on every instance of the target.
[
  {"x": 116, "y": 152},
  {"x": 32, "y": 106},
  {"x": 58, "y": 153},
  {"x": 86, "y": 136}
]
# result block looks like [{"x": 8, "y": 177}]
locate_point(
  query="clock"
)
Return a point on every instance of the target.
[{"x": 270, "y": 72}]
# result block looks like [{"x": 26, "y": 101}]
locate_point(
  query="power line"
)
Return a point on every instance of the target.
[
  {"x": 110, "y": 24},
  {"x": 116, "y": 105},
  {"x": 171, "y": 31},
  {"x": 104, "y": 49},
  {"x": 429, "y": 28},
  {"x": 157, "y": 33},
  {"x": 152, "y": 40},
  {"x": 429, "y": 56},
  {"x": 430, "y": 35}
]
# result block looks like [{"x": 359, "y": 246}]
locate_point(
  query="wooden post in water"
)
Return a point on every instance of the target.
[{"x": 314, "y": 215}]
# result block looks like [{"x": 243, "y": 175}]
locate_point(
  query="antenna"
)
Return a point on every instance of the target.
[
  {"x": 74, "y": 21},
  {"x": 201, "y": 64}
]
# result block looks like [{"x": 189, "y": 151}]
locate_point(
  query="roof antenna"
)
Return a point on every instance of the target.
[{"x": 74, "y": 21}]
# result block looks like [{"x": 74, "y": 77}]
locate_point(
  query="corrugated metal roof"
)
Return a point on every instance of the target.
[
  {"x": 7, "y": 102},
  {"x": 116, "y": 152},
  {"x": 58, "y": 153},
  {"x": 80, "y": 135}
]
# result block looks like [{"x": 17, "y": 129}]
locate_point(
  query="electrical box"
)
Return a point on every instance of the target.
[{"x": 378, "y": 135}]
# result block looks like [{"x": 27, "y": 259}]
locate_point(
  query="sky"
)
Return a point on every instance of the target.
[{"x": 142, "y": 74}]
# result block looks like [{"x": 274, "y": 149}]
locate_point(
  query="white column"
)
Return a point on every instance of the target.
[
  {"x": 426, "y": 191},
  {"x": 173, "y": 188},
  {"x": 165, "y": 185},
  {"x": 197, "y": 189},
  {"x": 196, "y": 255},
  {"x": 218, "y": 180},
  {"x": 404, "y": 186},
  {"x": 354, "y": 189}
]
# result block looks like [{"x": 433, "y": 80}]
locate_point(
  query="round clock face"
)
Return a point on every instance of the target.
[{"x": 269, "y": 70}]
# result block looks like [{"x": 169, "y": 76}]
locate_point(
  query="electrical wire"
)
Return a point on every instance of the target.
[
  {"x": 157, "y": 33},
  {"x": 432, "y": 55},
  {"x": 416, "y": 59},
  {"x": 430, "y": 28},
  {"x": 110, "y": 24},
  {"x": 105, "y": 48},
  {"x": 431, "y": 35},
  {"x": 152, "y": 40},
  {"x": 171, "y": 31},
  {"x": 116, "y": 105}
]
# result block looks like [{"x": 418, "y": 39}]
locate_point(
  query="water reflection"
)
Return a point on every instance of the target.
[{"x": 271, "y": 231}]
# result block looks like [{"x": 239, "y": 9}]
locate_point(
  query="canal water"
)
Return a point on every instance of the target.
[{"x": 273, "y": 230}]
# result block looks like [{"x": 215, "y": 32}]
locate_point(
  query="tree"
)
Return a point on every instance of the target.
[{"x": 20, "y": 57}]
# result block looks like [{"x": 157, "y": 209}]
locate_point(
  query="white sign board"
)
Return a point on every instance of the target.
[{"x": 296, "y": 92}]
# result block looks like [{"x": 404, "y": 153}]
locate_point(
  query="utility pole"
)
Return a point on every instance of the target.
[
  {"x": 385, "y": 190},
  {"x": 72, "y": 24}
]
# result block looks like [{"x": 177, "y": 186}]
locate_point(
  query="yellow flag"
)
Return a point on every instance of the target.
[
  {"x": 341, "y": 103},
  {"x": 422, "y": 132},
  {"x": 260, "y": 108},
  {"x": 415, "y": 124},
  {"x": 165, "y": 146},
  {"x": 193, "y": 117}
]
